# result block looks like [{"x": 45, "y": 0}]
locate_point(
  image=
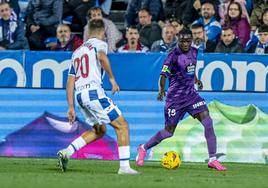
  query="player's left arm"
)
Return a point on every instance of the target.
[
  {"x": 198, "y": 82},
  {"x": 105, "y": 63}
]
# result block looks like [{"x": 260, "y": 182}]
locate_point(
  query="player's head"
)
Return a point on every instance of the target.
[
  {"x": 185, "y": 38},
  {"x": 96, "y": 28}
]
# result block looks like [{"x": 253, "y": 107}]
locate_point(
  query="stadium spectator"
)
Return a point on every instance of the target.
[
  {"x": 176, "y": 23},
  {"x": 77, "y": 10},
  {"x": 155, "y": 7},
  {"x": 182, "y": 97},
  {"x": 97, "y": 108},
  {"x": 229, "y": 42},
  {"x": 260, "y": 46},
  {"x": 174, "y": 8},
  {"x": 256, "y": 15},
  {"x": 149, "y": 31},
  {"x": 254, "y": 37},
  {"x": 200, "y": 40},
  {"x": 224, "y": 6},
  {"x": 209, "y": 22},
  {"x": 193, "y": 10},
  {"x": 264, "y": 17},
  {"x": 112, "y": 34},
  {"x": 238, "y": 23},
  {"x": 168, "y": 41},
  {"x": 12, "y": 35},
  {"x": 133, "y": 41},
  {"x": 66, "y": 41},
  {"x": 42, "y": 22},
  {"x": 14, "y": 4}
]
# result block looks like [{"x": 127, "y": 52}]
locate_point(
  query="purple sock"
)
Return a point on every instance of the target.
[
  {"x": 156, "y": 139},
  {"x": 210, "y": 136}
]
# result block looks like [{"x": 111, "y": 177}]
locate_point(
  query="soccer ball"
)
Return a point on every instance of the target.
[{"x": 171, "y": 160}]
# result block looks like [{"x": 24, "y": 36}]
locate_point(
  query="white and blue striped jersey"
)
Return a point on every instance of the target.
[
  {"x": 85, "y": 66},
  {"x": 89, "y": 94}
]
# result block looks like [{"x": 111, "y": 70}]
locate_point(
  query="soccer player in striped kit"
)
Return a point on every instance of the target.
[{"x": 85, "y": 86}]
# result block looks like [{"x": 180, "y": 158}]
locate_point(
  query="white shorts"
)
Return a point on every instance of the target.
[{"x": 96, "y": 107}]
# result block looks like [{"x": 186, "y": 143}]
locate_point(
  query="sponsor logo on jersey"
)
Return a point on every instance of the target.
[
  {"x": 80, "y": 88},
  {"x": 197, "y": 105}
]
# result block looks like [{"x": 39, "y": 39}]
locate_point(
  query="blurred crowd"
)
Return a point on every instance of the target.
[{"x": 222, "y": 26}]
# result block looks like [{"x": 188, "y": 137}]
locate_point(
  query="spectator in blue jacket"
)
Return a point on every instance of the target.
[
  {"x": 12, "y": 35},
  {"x": 193, "y": 10},
  {"x": 211, "y": 25},
  {"x": 261, "y": 45},
  {"x": 155, "y": 8},
  {"x": 168, "y": 41},
  {"x": 43, "y": 16}
]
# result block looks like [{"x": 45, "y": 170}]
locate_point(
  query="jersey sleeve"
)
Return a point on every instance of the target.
[
  {"x": 102, "y": 46},
  {"x": 71, "y": 71},
  {"x": 166, "y": 69}
]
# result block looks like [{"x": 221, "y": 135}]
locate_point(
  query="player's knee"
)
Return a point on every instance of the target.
[
  {"x": 169, "y": 134},
  {"x": 169, "y": 131},
  {"x": 100, "y": 130},
  {"x": 120, "y": 124},
  {"x": 123, "y": 127},
  {"x": 207, "y": 122},
  {"x": 166, "y": 133}
]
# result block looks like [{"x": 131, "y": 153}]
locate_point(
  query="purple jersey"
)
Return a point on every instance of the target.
[{"x": 179, "y": 68}]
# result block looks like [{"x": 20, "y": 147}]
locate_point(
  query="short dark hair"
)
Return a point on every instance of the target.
[
  {"x": 185, "y": 31},
  {"x": 96, "y": 25},
  {"x": 226, "y": 27},
  {"x": 263, "y": 28},
  {"x": 195, "y": 26},
  {"x": 145, "y": 9},
  {"x": 132, "y": 27}
]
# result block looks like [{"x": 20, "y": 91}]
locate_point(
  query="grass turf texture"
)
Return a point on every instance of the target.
[{"x": 41, "y": 172}]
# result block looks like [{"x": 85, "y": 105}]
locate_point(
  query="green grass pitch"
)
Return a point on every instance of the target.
[{"x": 41, "y": 172}]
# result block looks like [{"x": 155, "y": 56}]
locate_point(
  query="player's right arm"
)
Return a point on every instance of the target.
[
  {"x": 165, "y": 72},
  {"x": 104, "y": 61},
  {"x": 161, "y": 87},
  {"x": 70, "y": 98}
]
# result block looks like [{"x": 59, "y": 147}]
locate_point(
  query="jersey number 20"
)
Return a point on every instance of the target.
[{"x": 81, "y": 64}]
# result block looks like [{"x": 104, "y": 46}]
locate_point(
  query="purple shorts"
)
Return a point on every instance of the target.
[{"x": 174, "y": 112}]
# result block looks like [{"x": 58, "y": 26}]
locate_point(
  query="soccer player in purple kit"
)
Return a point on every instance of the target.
[{"x": 182, "y": 97}]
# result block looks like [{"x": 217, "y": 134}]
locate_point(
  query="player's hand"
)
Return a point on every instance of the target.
[
  {"x": 161, "y": 95},
  {"x": 115, "y": 87},
  {"x": 199, "y": 84},
  {"x": 71, "y": 115}
]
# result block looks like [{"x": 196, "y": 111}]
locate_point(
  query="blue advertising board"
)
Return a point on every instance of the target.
[{"x": 139, "y": 71}]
